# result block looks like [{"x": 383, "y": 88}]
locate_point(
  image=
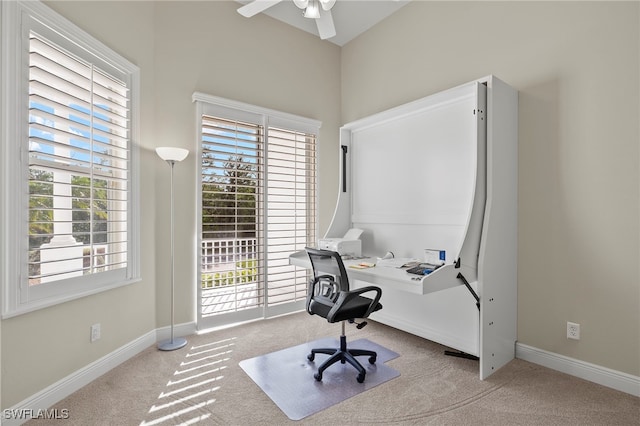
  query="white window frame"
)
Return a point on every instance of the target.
[{"x": 18, "y": 18}]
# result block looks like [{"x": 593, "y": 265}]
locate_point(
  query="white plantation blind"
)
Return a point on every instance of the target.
[
  {"x": 258, "y": 202},
  {"x": 78, "y": 166},
  {"x": 232, "y": 174},
  {"x": 291, "y": 213}
]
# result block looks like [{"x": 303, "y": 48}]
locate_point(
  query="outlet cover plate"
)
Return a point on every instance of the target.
[
  {"x": 573, "y": 330},
  {"x": 95, "y": 332}
]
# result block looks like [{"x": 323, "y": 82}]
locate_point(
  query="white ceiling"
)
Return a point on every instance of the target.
[{"x": 350, "y": 17}]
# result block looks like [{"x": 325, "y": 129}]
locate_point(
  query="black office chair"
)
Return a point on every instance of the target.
[{"x": 329, "y": 296}]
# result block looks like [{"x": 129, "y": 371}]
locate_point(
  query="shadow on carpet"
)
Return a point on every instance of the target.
[{"x": 286, "y": 376}]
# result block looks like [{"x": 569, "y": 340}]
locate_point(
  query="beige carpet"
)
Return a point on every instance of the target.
[{"x": 203, "y": 384}]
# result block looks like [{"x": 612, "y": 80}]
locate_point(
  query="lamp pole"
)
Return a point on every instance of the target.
[{"x": 171, "y": 155}]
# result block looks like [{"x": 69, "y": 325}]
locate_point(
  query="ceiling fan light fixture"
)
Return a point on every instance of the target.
[
  {"x": 312, "y": 10},
  {"x": 302, "y": 4},
  {"x": 327, "y": 4}
]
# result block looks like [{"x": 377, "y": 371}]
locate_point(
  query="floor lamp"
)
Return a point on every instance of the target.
[{"x": 171, "y": 156}]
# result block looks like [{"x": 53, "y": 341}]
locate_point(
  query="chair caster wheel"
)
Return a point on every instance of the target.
[
  {"x": 311, "y": 356},
  {"x": 372, "y": 360},
  {"x": 360, "y": 378},
  {"x": 318, "y": 377}
]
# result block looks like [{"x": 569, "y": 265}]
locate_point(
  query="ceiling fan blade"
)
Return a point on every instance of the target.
[
  {"x": 326, "y": 29},
  {"x": 256, "y": 6}
]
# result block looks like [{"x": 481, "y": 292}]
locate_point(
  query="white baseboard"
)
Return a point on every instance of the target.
[
  {"x": 179, "y": 330},
  {"x": 594, "y": 373},
  {"x": 48, "y": 397}
]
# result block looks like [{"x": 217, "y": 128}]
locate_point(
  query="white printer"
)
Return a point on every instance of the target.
[{"x": 349, "y": 245}]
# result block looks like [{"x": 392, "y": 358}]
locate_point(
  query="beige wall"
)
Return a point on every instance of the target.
[
  {"x": 180, "y": 47},
  {"x": 210, "y": 48},
  {"x": 576, "y": 66},
  {"x": 45, "y": 346}
]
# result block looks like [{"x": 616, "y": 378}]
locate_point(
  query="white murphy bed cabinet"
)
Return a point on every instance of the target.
[{"x": 438, "y": 173}]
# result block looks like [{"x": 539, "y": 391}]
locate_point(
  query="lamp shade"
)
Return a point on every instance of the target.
[{"x": 168, "y": 153}]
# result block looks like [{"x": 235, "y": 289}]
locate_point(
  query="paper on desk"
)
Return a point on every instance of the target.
[
  {"x": 362, "y": 265},
  {"x": 352, "y": 234}
]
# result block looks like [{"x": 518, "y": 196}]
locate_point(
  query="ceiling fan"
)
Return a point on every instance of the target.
[{"x": 320, "y": 10}]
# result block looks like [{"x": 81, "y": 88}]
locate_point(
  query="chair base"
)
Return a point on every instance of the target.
[{"x": 343, "y": 355}]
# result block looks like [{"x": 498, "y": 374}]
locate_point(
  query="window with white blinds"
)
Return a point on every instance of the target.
[
  {"x": 258, "y": 201},
  {"x": 70, "y": 157},
  {"x": 78, "y": 166}
]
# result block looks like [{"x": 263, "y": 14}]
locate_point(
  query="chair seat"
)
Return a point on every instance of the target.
[{"x": 354, "y": 308}]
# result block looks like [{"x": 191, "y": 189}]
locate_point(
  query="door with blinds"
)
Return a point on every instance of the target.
[{"x": 258, "y": 206}]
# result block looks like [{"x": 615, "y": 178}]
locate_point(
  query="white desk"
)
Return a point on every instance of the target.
[
  {"x": 390, "y": 277},
  {"x": 437, "y": 306}
]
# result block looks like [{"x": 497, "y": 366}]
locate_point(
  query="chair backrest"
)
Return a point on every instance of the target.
[{"x": 329, "y": 274}]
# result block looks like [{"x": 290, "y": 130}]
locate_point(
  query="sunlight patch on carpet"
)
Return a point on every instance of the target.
[{"x": 286, "y": 376}]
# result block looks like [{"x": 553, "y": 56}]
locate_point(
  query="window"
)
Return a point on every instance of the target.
[
  {"x": 70, "y": 159},
  {"x": 258, "y": 204}
]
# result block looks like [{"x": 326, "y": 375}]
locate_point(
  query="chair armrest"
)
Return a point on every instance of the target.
[
  {"x": 376, "y": 298},
  {"x": 346, "y": 296}
]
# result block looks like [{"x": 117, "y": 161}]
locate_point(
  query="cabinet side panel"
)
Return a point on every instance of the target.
[{"x": 497, "y": 266}]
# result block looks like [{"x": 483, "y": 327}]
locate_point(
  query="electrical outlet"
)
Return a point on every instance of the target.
[
  {"x": 573, "y": 331},
  {"x": 95, "y": 332}
]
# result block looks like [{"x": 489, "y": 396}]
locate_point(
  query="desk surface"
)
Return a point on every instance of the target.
[{"x": 387, "y": 274}]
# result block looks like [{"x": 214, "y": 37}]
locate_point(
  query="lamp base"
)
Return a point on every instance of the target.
[{"x": 172, "y": 344}]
